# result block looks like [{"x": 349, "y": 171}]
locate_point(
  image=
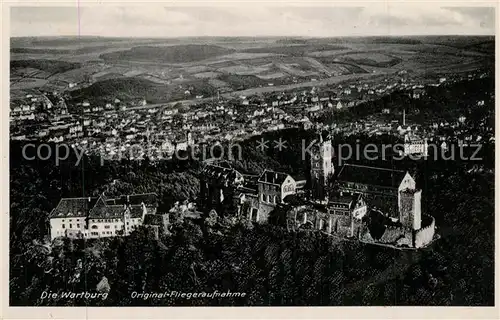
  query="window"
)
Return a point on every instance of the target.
[
  {"x": 70, "y": 225},
  {"x": 106, "y": 227},
  {"x": 94, "y": 226},
  {"x": 269, "y": 198},
  {"x": 104, "y": 232},
  {"x": 78, "y": 225},
  {"x": 263, "y": 199},
  {"x": 70, "y": 221},
  {"x": 63, "y": 226},
  {"x": 128, "y": 223},
  {"x": 77, "y": 220},
  {"x": 62, "y": 220},
  {"x": 116, "y": 227}
]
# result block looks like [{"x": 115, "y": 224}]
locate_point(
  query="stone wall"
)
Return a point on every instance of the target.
[
  {"x": 264, "y": 210},
  {"x": 393, "y": 235},
  {"x": 425, "y": 235},
  {"x": 341, "y": 225},
  {"x": 357, "y": 229}
]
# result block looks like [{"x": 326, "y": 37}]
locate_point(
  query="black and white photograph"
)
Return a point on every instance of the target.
[{"x": 253, "y": 155}]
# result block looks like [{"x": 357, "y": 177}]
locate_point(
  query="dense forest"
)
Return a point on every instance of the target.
[{"x": 272, "y": 266}]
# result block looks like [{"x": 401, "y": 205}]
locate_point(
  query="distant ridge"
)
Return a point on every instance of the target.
[{"x": 168, "y": 54}]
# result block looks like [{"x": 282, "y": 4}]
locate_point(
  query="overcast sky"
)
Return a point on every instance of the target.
[{"x": 254, "y": 20}]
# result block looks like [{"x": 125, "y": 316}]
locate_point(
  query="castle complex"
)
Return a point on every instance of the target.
[{"x": 371, "y": 204}]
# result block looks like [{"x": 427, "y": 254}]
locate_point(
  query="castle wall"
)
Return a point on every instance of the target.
[
  {"x": 264, "y": 211},
  {"x": 425, "y": 235},
  {"x": 357, "y": 228},
  {"x": 251, "y": 203},
  {"x": 341, "y": 225},
  {"x": 417, "y": 211},
  {"x": 393, "y": 235},
  {"x": 323, "y": 221}
]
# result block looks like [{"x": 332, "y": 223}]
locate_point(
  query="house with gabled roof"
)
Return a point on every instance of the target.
[{"x": 100, "y": 217}]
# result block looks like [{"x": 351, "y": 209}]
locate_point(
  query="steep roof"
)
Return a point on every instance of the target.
[
  {"x": 73, "y": 207},
  {"x": 347, "y": 201},
  {"x": 273, "y": 177},
  {"x": 103, "y": 211},
  {"x": 220, "y": 173},
  {"x": 104, "y": 208},
  {"x": 371, "y": 175}
]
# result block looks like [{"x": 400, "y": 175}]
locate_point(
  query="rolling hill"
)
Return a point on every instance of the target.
[
  {"x": 129, "y": 88},
  {"x": 295, "y": 50},
  {"x": 168, "y": 54}
]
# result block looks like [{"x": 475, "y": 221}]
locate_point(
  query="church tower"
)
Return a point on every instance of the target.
[{"x": 321, "y": 168}]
